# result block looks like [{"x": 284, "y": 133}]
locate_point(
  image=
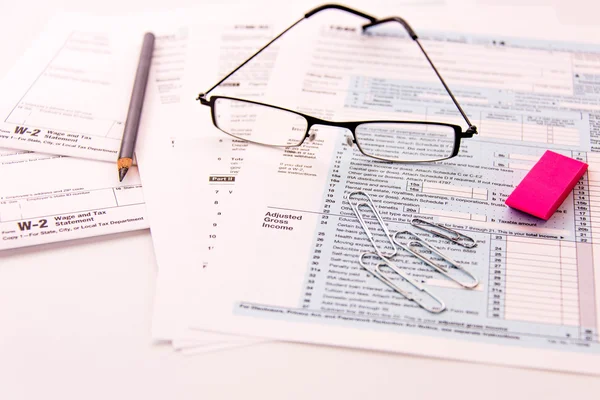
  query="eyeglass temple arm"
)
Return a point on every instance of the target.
[
  {"x": 202, "y": 96},
  {"x": 472, "y": 129}
]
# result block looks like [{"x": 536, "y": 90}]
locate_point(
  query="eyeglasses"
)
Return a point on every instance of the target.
[{"x": 395, "y": 141}]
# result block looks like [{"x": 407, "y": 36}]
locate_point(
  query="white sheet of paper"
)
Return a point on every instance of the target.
[
  {"x": 46, "y": 199},
  {"x": 217, "y": 347},
  {"x": 177, "y": 121},
  {"x": 69, "y": 93}
]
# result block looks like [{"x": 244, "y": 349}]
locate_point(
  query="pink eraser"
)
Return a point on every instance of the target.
[{"x": 546, "y": 185}]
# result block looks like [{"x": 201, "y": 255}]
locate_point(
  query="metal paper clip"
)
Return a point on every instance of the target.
[
  {"x": 415, "y": 241},
  {"x": 370, "y": 205},
  {"x": 356, "y": 205},
  {"x": 444, "y": 232},
  {"x": 378, "y": 273}
]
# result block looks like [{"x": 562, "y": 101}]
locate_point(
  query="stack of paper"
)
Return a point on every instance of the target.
[
  {"x": 261, "y": 242},
  {"x": 63, "y": 107},
  {"x": 257, "y": 243}
]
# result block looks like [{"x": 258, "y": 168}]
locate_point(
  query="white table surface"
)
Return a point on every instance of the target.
[{"x": 75, "y": 317}]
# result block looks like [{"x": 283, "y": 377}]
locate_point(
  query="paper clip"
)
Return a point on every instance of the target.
[
  {"x": 415, "y": 241},
  {"x": 454, "y": 236},
  {"x": 369, "y": 204},
  {"x": 384, "y": 258},
  {"x": 378, "y": 273}
]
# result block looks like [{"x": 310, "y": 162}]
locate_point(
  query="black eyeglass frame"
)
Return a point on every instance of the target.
[{"x": 350, "y": 125}]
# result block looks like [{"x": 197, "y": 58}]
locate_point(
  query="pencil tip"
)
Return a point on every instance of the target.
[{"x": 122, "y": 173}]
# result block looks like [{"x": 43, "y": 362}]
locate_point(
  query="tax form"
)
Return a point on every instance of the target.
[
  {"x": 235, "y": 42},
  {"x": 49, "y": 199},
  {"x": 45, "y": 197},
  {"x": 295, "y": 273},
  {"x": 69, "y": 93}
]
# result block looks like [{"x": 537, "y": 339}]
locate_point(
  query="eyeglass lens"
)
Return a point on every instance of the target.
[
  {"x": 259, "y": 123},
  {"x": 394, "y": 141}
]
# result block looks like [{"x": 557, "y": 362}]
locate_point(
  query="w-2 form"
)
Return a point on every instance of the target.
[
  {"x": 539, "y": 292},
  {"x": 69, "y": 109},
  {"x": 68, "y": 94}
]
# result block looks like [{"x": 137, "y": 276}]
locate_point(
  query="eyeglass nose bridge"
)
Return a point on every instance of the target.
[{"x": 349, "y": 127}]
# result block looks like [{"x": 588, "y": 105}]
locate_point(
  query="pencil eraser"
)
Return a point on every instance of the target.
[{"x": 546, "y": 185}]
